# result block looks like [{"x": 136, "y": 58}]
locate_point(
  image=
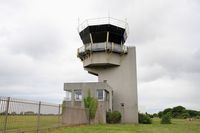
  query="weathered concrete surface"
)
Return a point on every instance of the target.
[
  {"x": 74, "y": 115},
  {"x": 123, "y": 80},
  {"x": 103, "y": 106}
]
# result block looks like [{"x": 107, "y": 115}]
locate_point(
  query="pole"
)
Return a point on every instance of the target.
[
  {"x": 38, "y": 117},
  {"x": 6, "y": 117},
  {"x": 59, "y": 114}
]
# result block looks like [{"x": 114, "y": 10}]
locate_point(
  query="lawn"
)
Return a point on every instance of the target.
[
  {"x": 177, "y": 126},
  {"x": 27, "y": 123}
]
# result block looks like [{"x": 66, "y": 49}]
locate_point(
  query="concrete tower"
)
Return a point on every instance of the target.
[{"x": 104, "y": 54}]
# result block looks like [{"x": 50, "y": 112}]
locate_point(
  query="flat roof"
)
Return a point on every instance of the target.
[{"x": 87, "y": 85}]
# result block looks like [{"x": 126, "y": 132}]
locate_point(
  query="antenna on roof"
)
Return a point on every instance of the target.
[
  {"x": 108, "y": 16},
  {"x": 78, "y": 21}
]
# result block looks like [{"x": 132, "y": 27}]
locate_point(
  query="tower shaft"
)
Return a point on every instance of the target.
[{"x": 123, "y": 80}]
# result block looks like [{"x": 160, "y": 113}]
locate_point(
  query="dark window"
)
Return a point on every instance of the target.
[
  {"x": 77, "y": 95},
  {"x": 100, "y": 94}
]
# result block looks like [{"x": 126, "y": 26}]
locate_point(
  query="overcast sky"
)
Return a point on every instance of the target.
[{"x": 39, "y": 39}]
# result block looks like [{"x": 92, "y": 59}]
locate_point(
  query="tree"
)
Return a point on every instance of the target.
[
  {"x": 193, "y": 113},
  {"x": 155, "y": 115},
  {"x": 185, "y": 115},
  {"x": 160, "y": 114},
  {"x": 91, "y": 105},
  {"x": 167, "y": 111},
  {"x": 177, "y": 111}
]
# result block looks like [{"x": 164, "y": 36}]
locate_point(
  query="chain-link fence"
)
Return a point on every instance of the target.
[{"x": 19, "y": 116}]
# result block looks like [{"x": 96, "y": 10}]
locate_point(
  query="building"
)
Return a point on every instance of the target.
[{"x": 104, "y": 54}]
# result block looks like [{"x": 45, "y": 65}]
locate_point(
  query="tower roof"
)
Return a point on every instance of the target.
[{"x": 95, "y": 31}]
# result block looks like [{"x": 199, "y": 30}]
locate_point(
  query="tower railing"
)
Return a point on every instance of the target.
[
  {"x": 103, "y": 20},
  {"x": 99, "y": 47}
]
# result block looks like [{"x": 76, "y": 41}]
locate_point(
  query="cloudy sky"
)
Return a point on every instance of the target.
[{"x": 39, "y": 39}]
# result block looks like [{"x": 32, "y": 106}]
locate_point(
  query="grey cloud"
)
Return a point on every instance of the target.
[{"x": 38, "y": 43}]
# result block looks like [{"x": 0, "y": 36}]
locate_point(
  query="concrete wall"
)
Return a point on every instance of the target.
[
  {"x": 102, "y": 59},
  {"x": 74, "y": 115},
  {"x": 85, "y": 87},
  {"x": 103, "y": 106},
  {"x": 123, "y": 80}
]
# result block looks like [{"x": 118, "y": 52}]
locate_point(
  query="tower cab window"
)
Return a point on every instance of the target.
[
  {"x": 100, "y": 94},
  {"x": 77, "y": 95}
]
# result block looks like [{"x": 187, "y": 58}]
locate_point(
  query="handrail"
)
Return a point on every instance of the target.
[
  {"x": 98, "y": 47},
  {"x": 103, "y": 20}
]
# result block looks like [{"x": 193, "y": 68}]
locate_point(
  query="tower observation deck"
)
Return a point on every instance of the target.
[{"x": 102, "y": 35}]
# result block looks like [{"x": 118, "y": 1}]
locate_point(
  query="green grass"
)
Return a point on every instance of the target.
[
  {"x": 26, "y": 122},
  {"x": 177, "y": 126}
]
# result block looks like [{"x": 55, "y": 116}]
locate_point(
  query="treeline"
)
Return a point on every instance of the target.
[
  {"x": 177, "y": 112},
  {"x": 24, "y": 113}
]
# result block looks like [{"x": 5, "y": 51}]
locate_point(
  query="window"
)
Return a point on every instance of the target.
[
  {"x": 100, "y": 94},
  {"x": 68, "y": 95},
  {"x": 77, "y": 95}
]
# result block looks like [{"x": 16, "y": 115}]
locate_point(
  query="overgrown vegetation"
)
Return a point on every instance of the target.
[
  {"x": 113, "y": 117},
  {"x": 144, "y": 118},
  {"x": 166, "y": 119},
  {"x": 91, "y": 104},
  {"x": 179, "y": 112}
]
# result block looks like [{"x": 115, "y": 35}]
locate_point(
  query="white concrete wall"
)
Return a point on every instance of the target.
[{"x": 123, "y": 80}]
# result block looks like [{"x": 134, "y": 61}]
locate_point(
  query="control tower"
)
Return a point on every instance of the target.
[{"x": 104, "y": 54}]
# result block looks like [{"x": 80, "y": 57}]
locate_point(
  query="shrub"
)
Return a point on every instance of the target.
[
  {"x": 108, "y": 117},
  {"x": 113, "y": 117},
  {"x": 166, "y": 119},
  {"x": 144, "y": 118},
  {"x": 91, "y": 104}
]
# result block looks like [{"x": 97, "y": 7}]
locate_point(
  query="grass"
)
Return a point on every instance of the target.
[
  {"x": 26, "y": 122},
  {"x": 177, "y": 126}
]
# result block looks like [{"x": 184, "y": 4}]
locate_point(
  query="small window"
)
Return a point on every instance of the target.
[
  {"x": 100, "y": 94},
  {"x": 77, "y": 95},
  {"x": 68, "y": 95}
]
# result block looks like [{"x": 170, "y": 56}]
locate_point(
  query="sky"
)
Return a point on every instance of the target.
[{"x": 39, "y": 41}]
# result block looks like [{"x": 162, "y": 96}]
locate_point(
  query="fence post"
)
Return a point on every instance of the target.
[
  {"x": 59, "y": 114},
  {"x": 38, "y": 117},
  {"x": 6, "y": 113}
]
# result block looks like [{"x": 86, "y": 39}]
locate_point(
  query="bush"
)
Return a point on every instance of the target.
[
  {"x": 113, "y": 117},
  {"x": 108, "y": 117},
  {"x": 166, "y": 119},
  {"x": 91, "y": 104},
  {"x": 144, "y": 119}
]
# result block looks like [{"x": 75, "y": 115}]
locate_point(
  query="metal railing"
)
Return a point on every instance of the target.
[
  {"x": 98, "y": 47},
  {"x": 18, "y": 115},
  {"x": 103, "y": 20}
]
